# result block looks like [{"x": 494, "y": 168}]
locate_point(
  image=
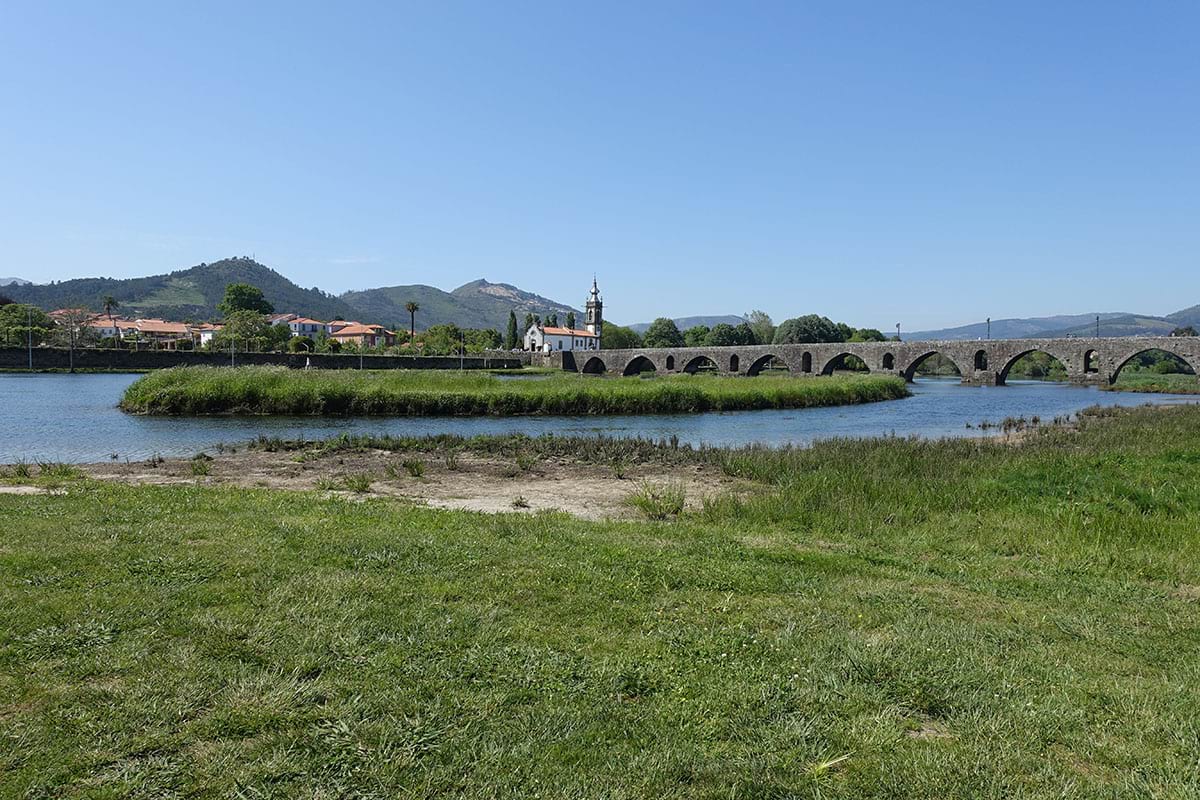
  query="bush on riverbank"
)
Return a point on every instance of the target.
[
  {"x": 893, "y": 618},
  {"x": 274, "y": 390}
]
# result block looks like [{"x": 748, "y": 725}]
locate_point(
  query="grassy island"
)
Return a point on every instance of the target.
[
  {"x": 888, "y": 618},
  {"x": 277, "y": 390},
  {"x": 1171, "y": 383}
]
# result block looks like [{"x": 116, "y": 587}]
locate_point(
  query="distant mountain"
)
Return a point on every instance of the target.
[
  {"x": 478, "y": 304},
  {"x": 193, "y": 294},
  {"x": 1111, "y": 324},
  {"x": 1030, "y": 328},
  {"x": 683, "y": 323},
  {"x": 18, "y": 281},
  {"x": 1188, "y": 316},
  {"x": 189, "y": 294}
]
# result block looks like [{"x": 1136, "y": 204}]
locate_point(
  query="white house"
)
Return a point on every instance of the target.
[{"x": 303, "y": 326}]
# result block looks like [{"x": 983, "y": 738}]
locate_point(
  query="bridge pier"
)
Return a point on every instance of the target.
[{"x": 982, "y": 377}]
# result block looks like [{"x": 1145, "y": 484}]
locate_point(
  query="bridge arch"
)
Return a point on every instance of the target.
[
  {"x": 700, "y": 364},
  {"x": 840, "y": 358},
  {"x": 910, "y": 372},
  {"x": 670, "y": 363},
  {"x": 639, "y": 364},
  {"x": 768, "y": 362},
  {"x": 888, "y": 361},
  {"x": 1003, "y": 374},
  {"x": 806, "y": 362},
  {"x": 734, "y": 362},
  {"x": 1189, "y": 365},
  {"x": 981, "y": 360},
  {"x": 594, "y": 366}
]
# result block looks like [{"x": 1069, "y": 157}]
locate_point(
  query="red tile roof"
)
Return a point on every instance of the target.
[{"x": 568, "y": 332}]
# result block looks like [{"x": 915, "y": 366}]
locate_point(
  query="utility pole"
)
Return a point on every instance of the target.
[
  {"x": 462, "y": 349},
  {"x": 29, "y": 334}
]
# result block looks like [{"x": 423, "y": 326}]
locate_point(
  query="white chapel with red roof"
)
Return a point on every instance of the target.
[{"x": 547, "y": 339}]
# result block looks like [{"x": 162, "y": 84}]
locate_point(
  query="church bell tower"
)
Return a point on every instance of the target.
[{"x": 595, "y": 311}]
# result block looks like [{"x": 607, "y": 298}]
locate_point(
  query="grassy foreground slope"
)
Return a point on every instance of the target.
[
  {"x": 278, "y": 390},
  {"x": 888, "y": 619}
]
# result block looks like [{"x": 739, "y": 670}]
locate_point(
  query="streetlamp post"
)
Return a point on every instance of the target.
[
  {"x": 989, "y": 328},
  {"x": 29, "y": 334},
  {"x": 897, "y": 331},
  {"x": 1097, "y": 326},
  {"x": 462, "y": 349}
]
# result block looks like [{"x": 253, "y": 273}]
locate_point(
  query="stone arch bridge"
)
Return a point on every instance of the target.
[{"x": 979, "y": 362}]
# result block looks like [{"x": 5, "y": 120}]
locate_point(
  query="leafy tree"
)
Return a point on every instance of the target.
[
  {"x": 618, "y": 337},
  {"x": 249, "y": 331},
  {"x": 764, "y": 328},
  {"x": 571, "y": 319},
  {"x": 867, "y": 335},
  {"x": 18, "y": 321},
  {"x": 663, "y": 332},
  {"x": 1184, "y": 331},
  {"x": 746, "y": 334},
  {"x": 510, "y": 340},
  {"x": 244, "y": 297},
  {"x": 529, "y": 320},
  {"x": 844, "y": 332},
  {"x": 695, "y": 336},
  {"x": 722, "y": 335},
  {"x": 301, "y": 344},
  {"x": 6, "y": 300},
  {"x": 809, "y": 329},
  {"x": 73, "y": 331},
  {"x": 412, "y": 309},
  {"x": 552, "y": 320}
]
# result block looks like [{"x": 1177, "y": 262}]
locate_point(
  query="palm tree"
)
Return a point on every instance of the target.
[
  {"x": 109, "y": 302},
  {"x": 412, "y": 309}
]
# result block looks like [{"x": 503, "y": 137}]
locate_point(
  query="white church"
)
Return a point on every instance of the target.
[{"x": 547, "y": 339}]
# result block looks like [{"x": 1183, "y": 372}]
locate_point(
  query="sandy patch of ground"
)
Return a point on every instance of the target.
[
  {"x": 470, "y": 482},
  {"x": 28, "y": 490}
]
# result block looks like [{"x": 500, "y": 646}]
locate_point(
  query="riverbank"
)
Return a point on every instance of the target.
[
  {"x": 1155, "y": 383},
  {"x": 276, "y": 391},
  {"x": 910, "y": 618}
]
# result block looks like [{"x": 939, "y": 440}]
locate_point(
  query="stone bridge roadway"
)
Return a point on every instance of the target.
[{"x": 979, "y": 362}]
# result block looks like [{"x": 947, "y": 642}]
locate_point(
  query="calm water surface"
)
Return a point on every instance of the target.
[{"x": 57, "y": 417}]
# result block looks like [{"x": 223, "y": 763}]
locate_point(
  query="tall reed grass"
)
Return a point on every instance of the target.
[{"x": 280, "y": 391}]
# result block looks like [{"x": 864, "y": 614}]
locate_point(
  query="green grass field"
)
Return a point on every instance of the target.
[
  {"x": 277, "y": 390},
  {"x": 884, "y": 619},
  {"x": 1177, "y": 383}
]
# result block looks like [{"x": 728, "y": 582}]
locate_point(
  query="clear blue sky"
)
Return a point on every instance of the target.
[{"x": 930, "y": 163}]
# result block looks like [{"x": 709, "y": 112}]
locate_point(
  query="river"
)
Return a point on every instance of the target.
[{"x": 61, "y": 417}]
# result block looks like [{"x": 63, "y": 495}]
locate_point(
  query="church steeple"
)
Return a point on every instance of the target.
[{"x": 594, "y": 311}]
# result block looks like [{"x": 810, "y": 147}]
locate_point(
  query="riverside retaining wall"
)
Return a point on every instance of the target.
[{"x": 137, "y": 360}]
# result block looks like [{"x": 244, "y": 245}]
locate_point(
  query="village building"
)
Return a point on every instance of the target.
[
  {"x": 303, "y": 326},
  {"x": 548, "y": 338},
  {"x": 202, "y": 334},
  {"x": 167, "y": 335},
  {"x": 363, "y": 335},
  {"x": 106, "y": 327}
]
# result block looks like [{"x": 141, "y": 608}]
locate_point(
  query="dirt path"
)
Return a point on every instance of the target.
[{"x": 470, "y": 482}]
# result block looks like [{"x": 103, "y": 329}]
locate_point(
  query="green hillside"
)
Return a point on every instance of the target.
[
  {"x": 190, "y": 294},
  {"x": 478, "y": 304}
]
